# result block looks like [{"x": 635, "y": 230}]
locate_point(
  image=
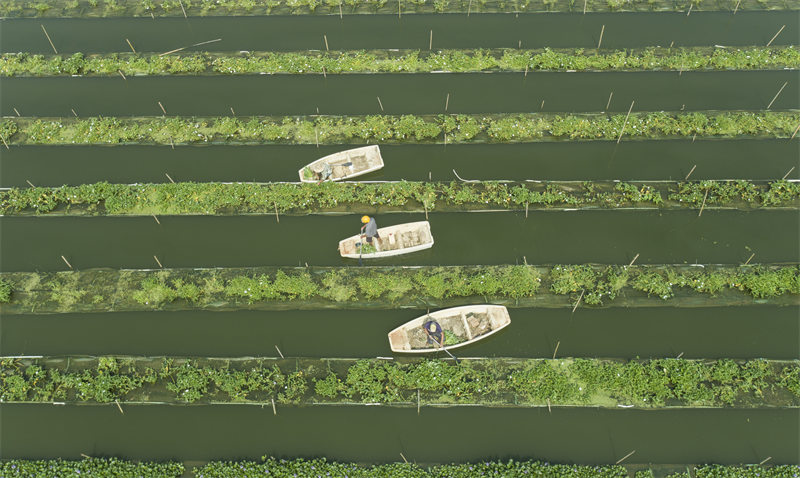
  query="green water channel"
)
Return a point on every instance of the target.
[
  {"x": 723, "y": 332},
  {"x": 603, "y": 236},
  {"x": 381, "y": 433},
  {"x": 631, "y": 160},
  {"x": 287, "y": 33},
  {"x": 400, "y": 93}
]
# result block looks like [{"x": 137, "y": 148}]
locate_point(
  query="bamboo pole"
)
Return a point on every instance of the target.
[
  {"x": 122, "y": 75},
  {"x": 750, "y": 258},
  {"x": 556, "y": 350},
  {"x": 30, "y": 183},
  {"x": 768, "y": 44},
  {"x": 526, "y": 72},
  {"x": 158, "y": 262},
  {"x": 233, "y": 112},
  {"x": 274, "y": 410},
  {"x": 4, "y": 142},
  {"x": 579, "y": 300},
  {"x": 704, "y": 204},
  {"x": 73, "y": 112},
  {"x": 340, "y": 11},
  {"x": 765, "y": 460},
  {"x": 325, "y": 37},
  {"x": 17, "y": 112},
  {"x": 469, "y": 7},
  {"x": 430, "y": 43},
  {"x": 625, "y": 123},
  {"x": 584, "y": 6},
  {"x": 157, "y": 221},
  {"x": 131, "y": 45},
  {"x": 679, "y": 355},
  {"x": 787, "y": 173},
  {"x": 541, "y": 107},
  {"x": 526, "y": 210},
  {"x": 119, "y": 406},
  {"x": 183, "y": 9},
  {"x": 548, "y": 406},
  {"x": 737, "y": 7},
  {"x": 690, "y": 9},
  {"x": 68, "y": 264},
  {"x": 162, "y": 108},
  {"x": 185, "y": 47},
  {"x": 279, "y": 351},
  {"x": 417, "y": 401},
  {"x": 624, "y": 457},
  {"x": 602, "y": 30},
  {"x": 85, "y": 455},
  {"x": 690, "y": 172},
  {"x": 777, "y": 94},
  {"x": 170, "y": 178},
  {"x": 634, "y": 259},
  {"x": 608, "y": 105},
  {"x": 380, "y": 103},
  {"x": 51, "y": 41},
  {"x": 399, "y": 12},
  {"x": 324, "y": 73},
  {"x": 447, "y": 102},
  {"x": 277, "y": 217},
  {"x": 403, "y": 457},
  {"x": 795, "y": 132}
]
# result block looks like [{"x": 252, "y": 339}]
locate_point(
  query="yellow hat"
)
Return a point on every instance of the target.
[{"x": 365, "y": 219}]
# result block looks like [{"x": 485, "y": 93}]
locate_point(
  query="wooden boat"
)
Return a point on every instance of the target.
[
  {"x": 344, "y": 164},
  {"x": 394, "y": 240},
  {"x": 467, "y": 324}
]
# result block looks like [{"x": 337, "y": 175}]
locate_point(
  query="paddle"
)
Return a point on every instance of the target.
[{"x": 439, "y": 345}]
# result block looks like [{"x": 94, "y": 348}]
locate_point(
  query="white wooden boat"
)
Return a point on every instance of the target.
[
  {"x": 467, "y": 324},
  {"x": 344, "y": 164},
  {"x": 394, "y": 240}
]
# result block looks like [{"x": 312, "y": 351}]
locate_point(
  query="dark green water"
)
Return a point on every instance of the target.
[
  {"x": 732, "y": 332},
  {"x": 400, "y": 94},
  {"x": 546, "y": 237},
  {"x": 642, "y": 160},
  {"x": 380, "y": 434},
  {"x": 555, "y": 30}
]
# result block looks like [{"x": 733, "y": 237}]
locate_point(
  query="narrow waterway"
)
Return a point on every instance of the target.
[
  {"x": 630, "y": 160},
  {"x": 546, "y": 237},
  {"x": 718, "y": 332}
]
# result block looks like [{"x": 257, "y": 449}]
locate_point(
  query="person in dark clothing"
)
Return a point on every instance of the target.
[
  {"x": 434, "y": 332},
  {"x": 370, "y": 229}
]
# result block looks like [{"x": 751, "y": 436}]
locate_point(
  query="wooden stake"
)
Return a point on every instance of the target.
[
  {"x": 274, "y": 410},
  {"x": 777, "y": 94},
  {"x": 54, "y": 47},
  {"x": 704, "y": 204},
  {"x": 787, "y": 173},
  {"x": 690, "y": 172},
  {"x": 750, "y": 258},
  {"x": 737, "y": 7},
  {"x": 584, "y": 6},
  {"x": 233, "y": 112},
  {"x": 556, "y": 350},
  {"x": 694, "y": 137},
  {"x": 277, "y": 217},
  {"x": 541, "y": 107},
  {"x": 579, "y": 301},
  {"x": 526, "y": 210},
  {"x": 379, "y": 102},
  {"x": 17, "y": 112},
  {"x": 690, "y": 9},
  {"x": 131, "y": 45},
  {"x": 65, "y": 260},
  {"x": 404, "y": 458},
  {"x": 795, "y": 132},
  {"x": 183, "y": 9},
  {"x": 399, "y": 14},
  {"x": 169, "y": 177},
  {"x": 625, "y": 123},
  {"x": 325, "y": 37},
  {"x": 157, "y": 221},
  {"x": 162, "y": 107},
  {"x": 526, "y": 72},
  {"x": 768, "y": 44},
  {"x": 324, "y": 73},
  {"x": 765, "y": 460},
  {"x": 548, "y": 406},
  {"x": 447, "y": 102},
  {"x": 634, "y": 259},
  {"x": 73, "y": 112},
  {"x": 680, "y": 355},
  {"x": 158, "y": 262},
  {"x": 279, "y": 351},
  {"x": 119, "y": 406},
  {"x": 30, "y": 183},
  {"x": 122, "y": 75},
  {"x": 608, "y": 105},
  {"x": 430, "y": 43},
  {"x": 602, "y": 30},
  {"x": 340, "y": 11},
  {"x": 624, "y": 457},
  {"x": 469, "y": 7}
]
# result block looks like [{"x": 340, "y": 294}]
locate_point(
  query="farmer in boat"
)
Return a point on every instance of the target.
[
  {"x": 325, "y": 174},
  {"x": 369, "y": 229},
  {"x": 434, "y": 332}
]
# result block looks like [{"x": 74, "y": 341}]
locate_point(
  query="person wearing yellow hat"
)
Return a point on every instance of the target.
[{"x": 369, "y": 229}]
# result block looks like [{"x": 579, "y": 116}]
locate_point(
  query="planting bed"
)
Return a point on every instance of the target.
[{"x": 625, "y": 183}]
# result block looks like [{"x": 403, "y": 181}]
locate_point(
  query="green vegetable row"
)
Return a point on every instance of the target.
[
  {"x": 524, "y": 127},
  {"x": 239, "y": 198},
  {"x": 282, "y": 468},
  {"x": 374, "y": 287},
  {"x": 411, "y": 61},
  {"x": 176, "y": 8},
  {"x": 651, "y": 383}
]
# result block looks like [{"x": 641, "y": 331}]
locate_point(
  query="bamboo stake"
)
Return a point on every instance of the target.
[
  {"x": 183, "y": 9},
  {"x": 325, "y": 37},
  {"x": 119, "y": 406},
  {"x": 634, "y": 259},
  {"x": 584, "y": 6},
  {"x": 157, "y": 221},
  {"x": 765, "y": 460},
  {"x": 51, "y": 41},
  {"x": 277, "y": 217},
  {"x": 429, "y": 175},
  {"x": 279, "y": 351},
  {"x": 608, "y": 105},
  {"x": 777, "y": 94},
  {"x": 404, "y": 458},
  {"x": 430, "y": 43},
  {"x": 768, "y": 44},
  {"x": 17, "y": 112},
  {"x": 680, "y": 355},
  {"x": 579, "y": 300},
  {"x": 185, "y": 47},
  {"x": 690, "y": 172},
  {"x": 787, "y": 173},
  {"x": 750, "y": 258},
  {"x": 690, "y": 9},
  {"x": 340, "y": 11},
  {"x": 324, "y": 73},
  {"x": 65, "y": 260},
  {"x": 169, "y": 177},
  {"x": 399, "y": 14},
  {"x": 4, "y": 142},
  {"x": 417, "y": 401},
  {"x": 624, "y": 457},
  {"x": 122, "y": 75},
  {"x": 526, "y": 210},
  {"x": 602, "y": 30},
  {"x": 704, "y": 204},
  {"x": 162, "y": 107},
  {"x": 30, "y": 183},
  {"x": 158, "y": 262},
  {"x": 737, "y": 7},
  {"x": 625, "y": 123},
  {"x": 131, "y": 45},
  {"x": 447, "y": 102},
  {"x": 526, "y": 72},
  {"x": 274, "y": 410},
  {"x": 233, "y": 112},
  {"x": 694, "y": 137},
  {"x": 548, "y": 406},
  {"x": 541, "y": 107},
  {"x": 85, "y": 455},
  {"x": 469, "y": 7},
  {"x": 556, "y": 350},
  {"x": 379, "y": 102},
  {"x": 795, "y": 132},
  {"x": 172, "y": 145}
]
